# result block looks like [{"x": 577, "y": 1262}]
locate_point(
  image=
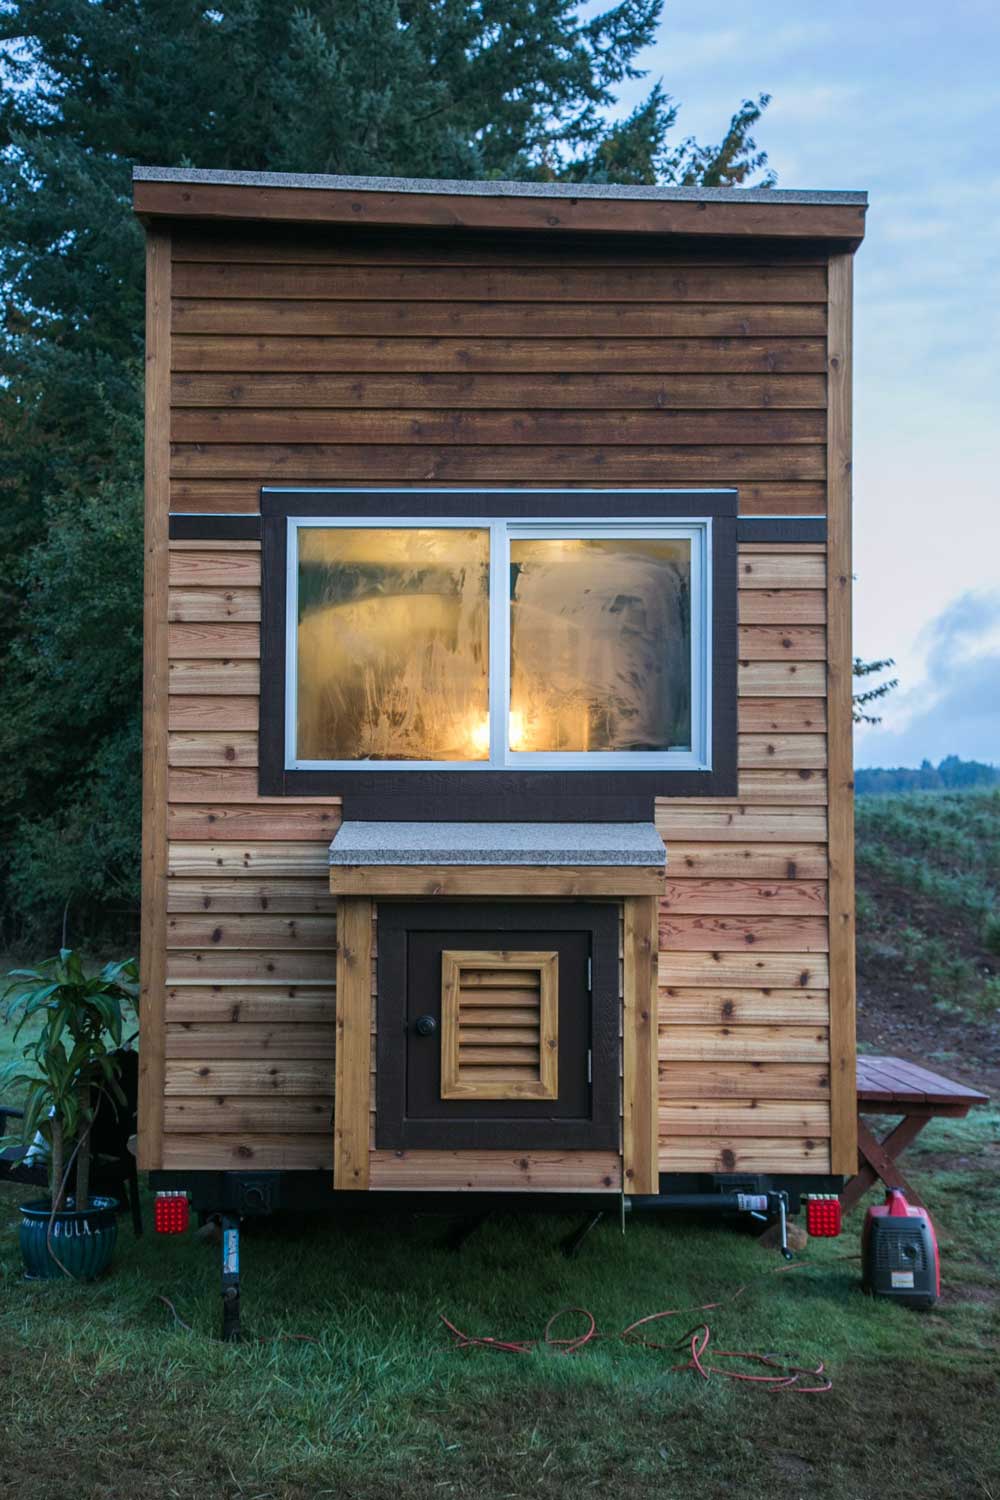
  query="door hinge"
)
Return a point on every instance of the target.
[
  {"x": 590, "y": 975},
  {"x": 590, "y": 1065}
]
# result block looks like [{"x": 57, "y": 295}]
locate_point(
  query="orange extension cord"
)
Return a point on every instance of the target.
[{"x": 783, "y": 1374}]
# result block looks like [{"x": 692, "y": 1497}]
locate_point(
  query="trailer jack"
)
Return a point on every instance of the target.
[{"x": 230, "y": 1279}]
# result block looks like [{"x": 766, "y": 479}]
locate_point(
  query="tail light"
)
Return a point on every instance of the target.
[
  {"x": 171, "y": 1213},
  {"x": 823, "y": 1215}
]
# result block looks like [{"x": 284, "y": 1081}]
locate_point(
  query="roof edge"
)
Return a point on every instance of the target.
[{"x": 480, "y": 188}]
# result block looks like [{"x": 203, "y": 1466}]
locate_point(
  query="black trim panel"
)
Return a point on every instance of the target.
[
  {"x": 202, "y": 528},
  {"x": 781, "y": 529},
  {"x": 520, "y": 503},
  {"x": 507, "y": 795}
]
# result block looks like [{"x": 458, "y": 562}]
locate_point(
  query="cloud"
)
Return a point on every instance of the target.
[
  {"x": 955, "y": 708},
  {"x": 965, "y": 626},
  {"x": 964, "y": 720}
]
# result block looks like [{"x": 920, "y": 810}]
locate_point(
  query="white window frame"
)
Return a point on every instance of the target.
[{"x": 503, "y": 530}]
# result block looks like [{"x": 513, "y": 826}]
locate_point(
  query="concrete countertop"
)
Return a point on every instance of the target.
[{"x": 378, "y": 843}]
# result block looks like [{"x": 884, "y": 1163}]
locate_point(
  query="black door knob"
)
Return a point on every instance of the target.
[{"x": 425, "y": 1025}]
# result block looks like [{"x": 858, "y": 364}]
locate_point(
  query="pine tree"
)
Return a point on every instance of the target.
[
  {"x": 862, "y": 700},
  {"x": 88, "y": 88}
]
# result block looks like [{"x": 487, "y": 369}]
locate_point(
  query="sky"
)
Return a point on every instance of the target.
[{"x": 902, "y": 100}]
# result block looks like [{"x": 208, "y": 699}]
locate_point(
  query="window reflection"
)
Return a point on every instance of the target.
[
  {"x": 600, "y": 644},
  {"x": 393, "y": 643}
]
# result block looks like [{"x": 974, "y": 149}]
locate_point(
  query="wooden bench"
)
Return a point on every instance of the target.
[{"x": 890, "y": 1086}]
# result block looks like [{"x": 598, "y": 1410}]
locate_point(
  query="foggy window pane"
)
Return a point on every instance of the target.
[
  {"x": 600, "y": 644},
  {"x": 393, "y": 643}
]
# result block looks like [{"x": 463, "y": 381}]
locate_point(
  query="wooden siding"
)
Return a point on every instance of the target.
[
  {"x": 533, "y": 364},
  {"x": 307, "y": 360}
]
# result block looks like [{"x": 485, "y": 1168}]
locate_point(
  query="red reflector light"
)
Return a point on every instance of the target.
[
  {"x": 171, "y": 1213},
  {"x": 823, "y": 1215}
]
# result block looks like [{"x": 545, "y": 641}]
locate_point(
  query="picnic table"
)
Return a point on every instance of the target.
[{"x": 890, "y": 1086}]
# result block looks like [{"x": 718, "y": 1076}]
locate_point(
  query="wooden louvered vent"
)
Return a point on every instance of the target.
[{"x": 499, "y": 1025}]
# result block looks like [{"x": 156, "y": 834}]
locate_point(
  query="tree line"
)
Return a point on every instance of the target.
[{"x": 950, "y": 775}]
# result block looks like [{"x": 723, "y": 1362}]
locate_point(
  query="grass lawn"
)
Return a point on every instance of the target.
[
  {"x": 107, "y": 1396},
  {"x": 104, "y": 1396}
]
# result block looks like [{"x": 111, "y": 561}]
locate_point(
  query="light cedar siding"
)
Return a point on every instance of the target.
[
  {"x": 497, "y": 1171},
  {"x": 318, "y": 356},
  {"x": 213, "y": 711},
  {"x": 471, "y": 880}
]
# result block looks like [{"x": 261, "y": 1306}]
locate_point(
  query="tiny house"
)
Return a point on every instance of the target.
[{"x": 497, "y": 825}]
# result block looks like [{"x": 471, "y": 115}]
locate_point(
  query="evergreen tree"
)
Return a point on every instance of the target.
[
  {"x": 867, "y": 696},
  {"x": 88, "y": 88}
]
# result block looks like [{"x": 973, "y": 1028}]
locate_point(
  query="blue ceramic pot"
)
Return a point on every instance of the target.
[{"x": 83, "y": 1240}]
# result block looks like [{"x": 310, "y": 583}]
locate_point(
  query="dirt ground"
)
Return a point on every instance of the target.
[{"x": 907, "y": 1024}]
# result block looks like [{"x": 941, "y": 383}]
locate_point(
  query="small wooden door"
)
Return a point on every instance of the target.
[{"x": 497, "y": 1025}]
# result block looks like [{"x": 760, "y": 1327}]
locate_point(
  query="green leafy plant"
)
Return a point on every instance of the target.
[{"x": 68, "y": 1070}]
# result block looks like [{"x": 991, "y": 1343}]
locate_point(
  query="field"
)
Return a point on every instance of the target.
[
  {"x": 928, "y": 870},
  {"x": 348, "y": 1383}
]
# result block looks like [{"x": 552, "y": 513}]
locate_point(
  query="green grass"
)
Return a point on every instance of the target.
[
  {"x": 109, "y": 1396},
  {"x": 928, "y": 906},
  {"x": 106, "y": 1395}
]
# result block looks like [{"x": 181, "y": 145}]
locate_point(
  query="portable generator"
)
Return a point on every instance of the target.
[{"x": 899, "y": 1253}]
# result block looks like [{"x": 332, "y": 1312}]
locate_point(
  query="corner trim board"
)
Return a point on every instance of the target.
[
  {"x": 153, "y": 920},
  {"x": 840, "y": 724},
  {"x": 640, "y": 1051},
  {"x": 352, "y": 1088}
]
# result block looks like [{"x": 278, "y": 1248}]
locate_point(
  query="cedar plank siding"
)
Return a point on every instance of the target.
[{"x": 321, "y": 358}]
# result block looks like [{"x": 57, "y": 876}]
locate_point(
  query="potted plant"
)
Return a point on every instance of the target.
[{"x": 69, "y": 1073}]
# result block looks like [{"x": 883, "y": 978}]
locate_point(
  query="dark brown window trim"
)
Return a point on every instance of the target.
[{"x": 499, "y": 796}]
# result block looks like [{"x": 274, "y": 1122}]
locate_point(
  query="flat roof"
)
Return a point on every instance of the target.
[
  {"x": 480, "y": 188},
  {"x": 549, "y": 208}
]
